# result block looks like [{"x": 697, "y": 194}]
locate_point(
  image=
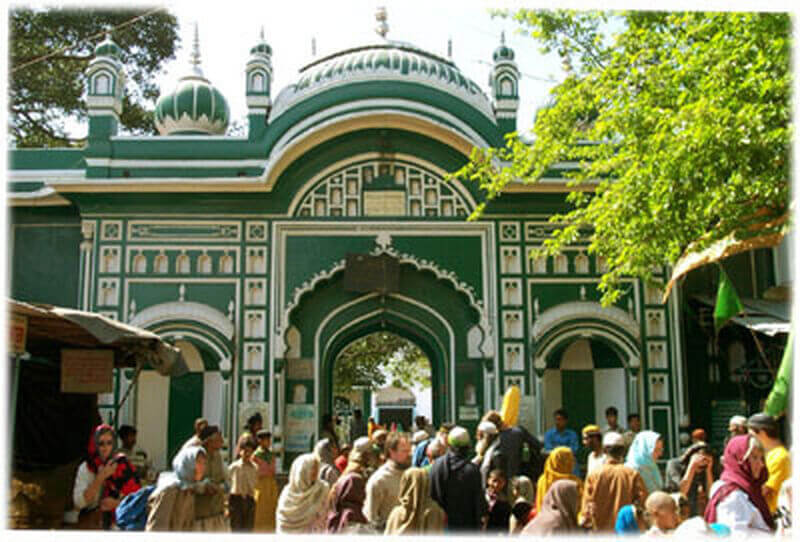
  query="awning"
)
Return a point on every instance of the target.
[
  {"x": 767, "y": 317},
  {"x": 65, "y": 327}
]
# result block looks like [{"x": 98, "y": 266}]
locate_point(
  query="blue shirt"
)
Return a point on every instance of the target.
[{"x": 568, "y": 438}]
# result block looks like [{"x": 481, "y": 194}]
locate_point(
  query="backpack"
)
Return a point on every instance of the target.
[{"x": 132, "y": 510}]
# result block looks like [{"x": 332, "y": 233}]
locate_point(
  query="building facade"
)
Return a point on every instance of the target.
[{"x": 235, "y": 248}]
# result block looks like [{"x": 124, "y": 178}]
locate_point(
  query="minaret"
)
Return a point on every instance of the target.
[
  {"x": 505, "y": 86},
  {"x": 105, "y": 78},
  {"x": 259, "y": 80}
]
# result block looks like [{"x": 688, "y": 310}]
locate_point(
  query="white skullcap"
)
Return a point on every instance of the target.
[
  {"x": 612, "y": 438},
  {"x": 458, "y": 437},
  {"x": 419, "y": 436},
  {"x": 362, "y": 444},
  {"x": 738, "y": 420},
  {"x": 487, "y": 428}
]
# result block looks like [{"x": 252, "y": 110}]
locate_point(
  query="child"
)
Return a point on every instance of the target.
[
  {"x": 266, "y": 492},
  {"x": 522, "y": 495},
  {"x": 244, "y": 476},
  {"x": 663, "y": 513},
  {"x": 499, "y": 509}
]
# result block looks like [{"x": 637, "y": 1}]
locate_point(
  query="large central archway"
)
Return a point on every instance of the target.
[{"x": 426, "y": 310}]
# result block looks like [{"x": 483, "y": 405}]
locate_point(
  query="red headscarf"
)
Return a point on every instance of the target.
[
  {"x": 125, "y": 480},
  {"x": 348, "y": 499},
  {"x": 736, "y": 474}
]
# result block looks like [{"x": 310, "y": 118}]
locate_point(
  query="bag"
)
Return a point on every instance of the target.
[{"x": 132, "y": 510}]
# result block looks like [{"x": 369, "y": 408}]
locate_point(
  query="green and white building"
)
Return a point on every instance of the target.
[{"x": 235, "y": 248}]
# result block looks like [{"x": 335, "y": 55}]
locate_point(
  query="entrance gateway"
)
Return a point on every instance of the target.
[{"x": 235, "y": 248}]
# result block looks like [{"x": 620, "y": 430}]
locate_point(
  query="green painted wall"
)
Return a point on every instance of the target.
[{"x": 44, "y": 255}]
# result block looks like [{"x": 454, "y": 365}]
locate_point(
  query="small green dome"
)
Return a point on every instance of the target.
[
  {"x": 194, "y": 107},
  {"x": 107, "y": 47},
  {"x": 262, "y": 48},
  {"x": 503, "y": 53}
]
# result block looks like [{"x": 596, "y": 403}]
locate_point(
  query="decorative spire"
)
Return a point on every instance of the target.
[
  {"x": 313, "y": 46},
  {"x": 450, "y": 47},
  {"x": 194, "y": 57},
  {"x": 502, "y": 37},
  {"x": 261, "y": 34},
  {"x": 382, "y": 28}
]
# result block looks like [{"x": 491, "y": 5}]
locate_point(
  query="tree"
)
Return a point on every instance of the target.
[
  {"x": 682, "y": 121},
  {"x": 45, "y": 93},
  {"x": 371, "y": 359}
]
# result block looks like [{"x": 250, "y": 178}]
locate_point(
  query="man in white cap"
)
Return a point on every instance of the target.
[
  {"x": 456, "y": 485},
  {"x": 611, "y": 487},
  {"x": 486, "y": 456}
]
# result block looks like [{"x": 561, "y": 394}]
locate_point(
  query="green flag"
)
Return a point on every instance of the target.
[
  {"x": 728, "y": 304},
  {"x": 779, "y": 396}
]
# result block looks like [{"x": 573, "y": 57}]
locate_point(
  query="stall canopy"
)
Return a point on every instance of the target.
[
  {"x": 50, "y": 424},
  {"x": 767, "y": 317},
  {"x": 51, "y": 328}
]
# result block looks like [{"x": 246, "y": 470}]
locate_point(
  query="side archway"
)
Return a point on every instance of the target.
[
  {"x": 165, "y": 408},
  {"x": 586, "y": 358}
]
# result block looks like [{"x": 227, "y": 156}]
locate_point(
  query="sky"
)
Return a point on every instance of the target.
[{"x": 227, "y": 34}]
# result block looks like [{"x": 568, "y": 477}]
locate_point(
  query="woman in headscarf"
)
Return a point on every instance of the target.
[
  {"x": 558, "y": 513},
  {"x": 302, "y": 506},
  {"x": 522, "y": 499},
  {"x": 172, "y": 502},
  {"x": 646, "y": 448},
  {"x": 736, "y": 498},
  {"x": 559, "y": 465},
  {"x": 417, "y": 512},
  {"x": 630, "y": 520},
  {"x": 325, "y": 451},
  {"x": 102, "y": 480},
  {"x": 360, "y": 458},
  {"x": 346, "y": 503}
]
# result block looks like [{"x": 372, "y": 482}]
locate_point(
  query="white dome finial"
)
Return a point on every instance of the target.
[
  {"x": 194, "y": 58},
  {"x": 381, "y": 15},
  {"x": 262, "y": 32}
]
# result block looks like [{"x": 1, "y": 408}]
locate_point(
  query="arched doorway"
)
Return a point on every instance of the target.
[
  {"x": 587, "y": 358},
  {"x": 427, "y": 311},
  {"x": 385, "y": 376},
  {"x": 585, "y": 376},
  {"x": 166, "y": 408}
]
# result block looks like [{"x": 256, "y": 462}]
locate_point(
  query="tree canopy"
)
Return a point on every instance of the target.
[
  {"x": 378, "y": 358},
  {"x": 680, "y": 121},
  {"x": 45, "y": 93}
]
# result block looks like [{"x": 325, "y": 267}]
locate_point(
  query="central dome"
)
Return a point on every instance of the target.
[{"x": 388, "y": 60}]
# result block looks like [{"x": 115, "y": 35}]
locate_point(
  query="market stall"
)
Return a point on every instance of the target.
[{"x": 61, "y": 358}]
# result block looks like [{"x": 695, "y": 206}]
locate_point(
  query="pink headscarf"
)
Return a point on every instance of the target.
[{"x": 737, "y": 475}]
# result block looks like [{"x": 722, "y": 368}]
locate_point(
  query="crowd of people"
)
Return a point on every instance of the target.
[{"x": 502, "y": 480}]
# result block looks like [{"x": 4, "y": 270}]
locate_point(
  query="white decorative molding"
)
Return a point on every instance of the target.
[
  {"x": 420, "y": 264},
  {"x": 418, "y": 191},
  {"x": 582, "y": 310},
  {"x": 184, "y": 310}
]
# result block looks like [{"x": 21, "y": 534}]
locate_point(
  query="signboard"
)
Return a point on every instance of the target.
[
  {"x": 469, "y": 413},
  {"x": 384, "y": 203},
  {"x": 87, "y": 371},
  {"x": 299, "y": 369},
  {"x": 527, "y": 412},
  {"x": 18, "y": 326},
  {"x": 364, "y": 273},
  {"x": 721, "y": 413},
  {"x": 299, "y": 428}
]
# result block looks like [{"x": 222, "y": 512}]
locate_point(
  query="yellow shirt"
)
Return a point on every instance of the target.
[{"x": 779, "y": 467}]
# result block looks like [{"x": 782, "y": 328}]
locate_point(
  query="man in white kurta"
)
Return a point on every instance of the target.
[{"x": 383, "y": 487}]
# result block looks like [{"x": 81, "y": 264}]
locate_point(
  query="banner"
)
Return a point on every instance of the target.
[{"x": 299, "y": 428}]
